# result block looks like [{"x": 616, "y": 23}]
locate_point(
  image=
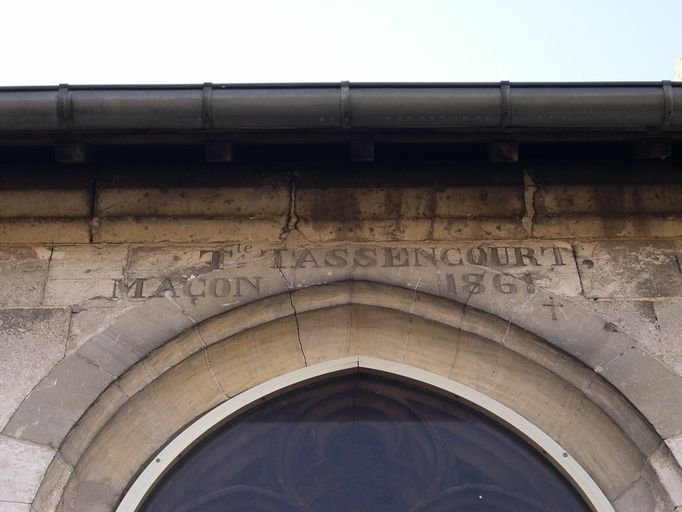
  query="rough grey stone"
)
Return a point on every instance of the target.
[
  {"x": 8, "y": 506},
  {"x": 23, "y": 272},
  {"x": 629, "y": 268},
  {"x": 637, "y": 498},
  {"x": 82, "y": 272},
  {"x": 669, "y": 348},
  {"x": 668, "y": 473},
  {"x": 134, "y": 334},
  {"x": 22, "y": 466},
  {"x": 87, "y": 323},
  {"x": 53, "y": 484},
  {"x": 675, "y": 446},
  {"x": 640, "y": 377},
  {"x": 633, "y": 317},
  {"x": 32, "y": 341},
  {"x": 52, "y": 408}
]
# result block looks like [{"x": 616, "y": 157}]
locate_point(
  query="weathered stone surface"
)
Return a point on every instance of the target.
[
  {"x": 637, "y": 499},
  {"x": 82, "y": 272},
  {"x": 341, "y": 204},
  {"x": 135, "y": 334},
  {"x": 23, "y": 273},
  {"x": 256, "y": 355},
  {"x": 250, "y": 202},
  {"x": 8, "y": 506},
  {"x": 640, "y": 377},
  {"x": 52, "y": 486},
  {"x": 591, "y": 227},
  {"x": 669, "y": 347},
  {"x": 163, "y": 229},
  {"x": 32, "y": 341},
  {"x": 87, "y": 322},
  {"x": 96, "y": 416},
  {"x": 607, "y": 199},
  {"x": 53, "y": 203},
  {"x": 629, "y": 269},
  {"x": 633, "y": 317},
  {"x": 44, "y": 231},
  {"x": 669, "y": 474},
  {"x": 22, "y": 466},
  {"x": 55, "y": 404},
  {"x": 675, "y": 447}
]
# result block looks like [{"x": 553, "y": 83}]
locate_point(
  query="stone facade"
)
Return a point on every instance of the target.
[{"x": 134, "y": 300}]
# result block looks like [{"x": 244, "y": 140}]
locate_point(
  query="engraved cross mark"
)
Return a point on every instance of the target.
[{"x": 553, "y": 305}]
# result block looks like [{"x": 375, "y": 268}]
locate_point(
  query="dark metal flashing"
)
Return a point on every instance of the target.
[{"x": 484, "y": 111}]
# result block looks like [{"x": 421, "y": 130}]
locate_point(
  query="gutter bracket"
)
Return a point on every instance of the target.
[
  {"x": 207, "y": 106},
  {"x": 344, "y": 106},
  {"x": 505, "y": 104},
  {"x": 668, "y": 103},
  {"x": 64, "y": 111}
]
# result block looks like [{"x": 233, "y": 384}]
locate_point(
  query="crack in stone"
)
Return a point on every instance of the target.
[
  {"x": 529, "y": 191},
  {"x": 291, "y": 222},
  {"x": 182, "y": 310},
  {"x": 68, "y": 333},
  {"x": 459, "y": 330},
  {"x": 600, "y": 368},
  {"x": 298, "y": 327},
  {"x": 577, "y": 270},
  {"x": 209, "y": 364},
  {"x": 677, "y": 259},
  {"x": 93, "y": 207},
  {"x": 414, "y": 300},
  {"x": 47, "y": 277},
  {"x": 641, "y": 473}
]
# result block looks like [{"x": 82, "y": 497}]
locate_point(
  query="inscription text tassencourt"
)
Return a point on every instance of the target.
[{"x": 240, "y": 270}]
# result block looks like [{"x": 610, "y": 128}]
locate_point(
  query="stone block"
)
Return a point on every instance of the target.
[
  {"x": 633, "y": 317},
  {"x": 675, "y": 447},
  {"x": 637, "y": 498},
  {"x": 23, "y": 272},
  {"x": 249, "y": 202},
  {"x": 629, "y": 269},
  {"x": 668, "y": 473},
  {"x": 134, "y": 334},
  {"x": 256, "y": 355},
  {"x": 669, "y": 348},
  {"x": 22, "y": 466},
  {"x": 86, "y": 323},
  {"x": 32, "y": 341},
  {"x": 82, "y": 272},
  {"x": 90, "y": 423},
  {"x": 54, "y": 406},
  {"x": 374, "y": 230},
  {"x": 52, "y": 486},
  {"x": 53, "y": 203},
  {"x": 45, "y": 231},
  {"x": 354, "y": 204},
  {"x": 175, "y": 261},
  {"x": 607, "y": 199},
  {"x": 590, "y": 227},
  {"x": 8, "y": 506},
  {"x": 478, "y": 202},
  {"x": 325, "y": 334},
  {"x": 639, "y": 377},
  {"x": 196, "y": 230}
]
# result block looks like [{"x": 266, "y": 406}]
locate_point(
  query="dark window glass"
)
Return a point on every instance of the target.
[{"x": 363, "y": 444}]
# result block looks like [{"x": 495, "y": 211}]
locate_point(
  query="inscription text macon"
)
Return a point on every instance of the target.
[{"x": 449, "y": 259}]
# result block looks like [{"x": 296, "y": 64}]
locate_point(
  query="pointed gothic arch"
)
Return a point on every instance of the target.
[{"x": 229, "y": 354}]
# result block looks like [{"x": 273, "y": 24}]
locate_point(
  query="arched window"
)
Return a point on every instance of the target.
[{"x": 363, "y": 443}]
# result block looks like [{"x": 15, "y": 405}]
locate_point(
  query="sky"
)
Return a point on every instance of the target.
[{"x": 47, "y": 42}]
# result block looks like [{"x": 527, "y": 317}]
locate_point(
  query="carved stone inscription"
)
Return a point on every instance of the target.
[{"x": 244, "y": 271}]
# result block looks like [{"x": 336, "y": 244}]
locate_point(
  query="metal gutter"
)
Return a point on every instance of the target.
[{"x": 654, "y": 107}]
